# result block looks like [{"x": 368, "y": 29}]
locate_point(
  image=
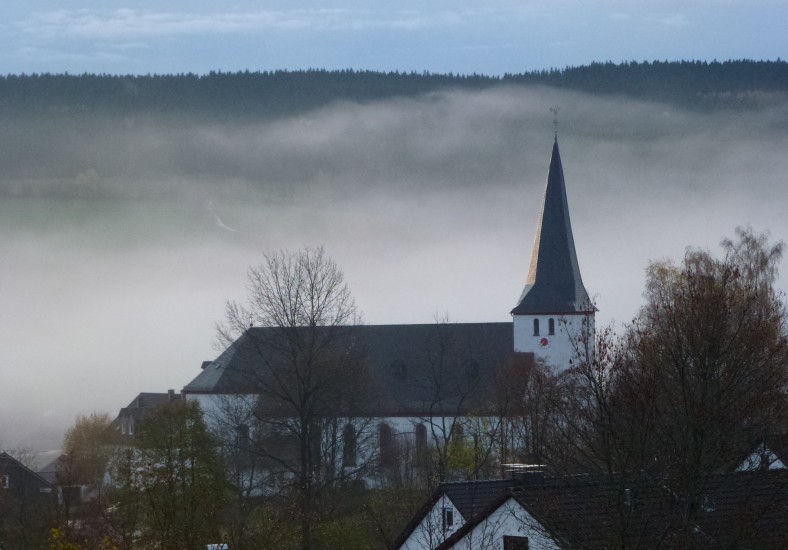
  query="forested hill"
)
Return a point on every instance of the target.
[{"x": 693, "y": 84}]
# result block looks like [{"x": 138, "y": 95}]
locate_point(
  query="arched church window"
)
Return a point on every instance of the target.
[
  {"x": 536, "y": 327},
  {"x": 551, "y": 327},
  {"x": 421, "y": 437},
  {"x": 349, "y": 446},
  {"x": 386, "y": 442}
]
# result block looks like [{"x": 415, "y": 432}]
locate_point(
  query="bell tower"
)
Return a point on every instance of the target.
[{"x": 554, "y": 317}]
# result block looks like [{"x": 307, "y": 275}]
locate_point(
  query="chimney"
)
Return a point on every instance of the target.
[{"x": 528, "y": 474}]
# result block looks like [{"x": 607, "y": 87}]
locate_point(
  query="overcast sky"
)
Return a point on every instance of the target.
[{"x": 491, "y": 37}]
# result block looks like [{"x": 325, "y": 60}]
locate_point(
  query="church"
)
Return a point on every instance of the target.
[{"x": 422, "y": 372}]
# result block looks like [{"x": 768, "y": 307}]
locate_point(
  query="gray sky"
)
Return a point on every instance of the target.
[
  {"x": 100, "y": 300},
  {"x": 491, "y": 37}
]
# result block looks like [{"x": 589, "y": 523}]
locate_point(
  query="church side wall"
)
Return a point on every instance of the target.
[{"x": 380, "y": 446}]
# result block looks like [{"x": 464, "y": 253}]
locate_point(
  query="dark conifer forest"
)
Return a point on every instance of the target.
[{"x": 693, "y": 84}]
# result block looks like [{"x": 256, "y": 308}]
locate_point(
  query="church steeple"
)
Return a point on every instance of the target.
[
  {"x": 554, "y": 285},
  {"x": 554, "y": 318}
]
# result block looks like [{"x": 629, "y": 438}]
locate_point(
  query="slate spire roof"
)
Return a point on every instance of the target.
[{"x": 554, "y": 285}]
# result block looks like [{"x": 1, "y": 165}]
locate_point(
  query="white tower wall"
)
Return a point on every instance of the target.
[{"x": 572, "y": 339}]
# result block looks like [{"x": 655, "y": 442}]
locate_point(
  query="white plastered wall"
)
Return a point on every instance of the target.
[
  {"x": 573, "y": 338},
  {"x": 509, "y": 519}
]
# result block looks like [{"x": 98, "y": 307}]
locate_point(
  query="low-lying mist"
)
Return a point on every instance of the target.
[{"x": 120, "y": 240}]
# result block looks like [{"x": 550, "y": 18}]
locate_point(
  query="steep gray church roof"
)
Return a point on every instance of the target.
[
  {"x": 554, "y": 285},
  {"x": 404, "y": 361}
]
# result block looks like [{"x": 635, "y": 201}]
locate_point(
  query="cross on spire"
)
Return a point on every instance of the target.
[{"x": 555, "y": 110}]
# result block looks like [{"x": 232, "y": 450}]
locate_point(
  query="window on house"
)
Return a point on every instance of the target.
[
  {"x": 551, "y": 327},
  {"x": 6, "y": 479},
  {"x": 536, "y": 327},
  {"x": 349, "y": 446},
  {"x": 448, "y": 518},
  {"x": 515, "y": 543}
]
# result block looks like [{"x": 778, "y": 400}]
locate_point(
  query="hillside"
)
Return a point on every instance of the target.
[
  {"x": 693, "y": 84},
  {"x": 280, "y": 135}
]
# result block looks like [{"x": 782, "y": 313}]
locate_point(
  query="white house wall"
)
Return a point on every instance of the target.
[
  {"x": 431, "y": 531},
  {"x": 509, "y": 519}
]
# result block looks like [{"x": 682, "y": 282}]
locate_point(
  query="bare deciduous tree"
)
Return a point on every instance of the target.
[
  {"x": 308, "y": 373},
  {"x": 713, "y": 341},
  {"x": 695, "y": 380}
]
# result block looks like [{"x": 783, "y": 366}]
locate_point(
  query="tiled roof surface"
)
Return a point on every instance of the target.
[
  {"x": 738, "y": 510},
  {"x": 474, "y": 497},
  {"x": 402, "y": 360}
]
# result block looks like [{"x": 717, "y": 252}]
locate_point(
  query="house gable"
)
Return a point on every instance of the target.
[
  {"x": 507, "y": 521},
  {"x": 468, "y": 499}
]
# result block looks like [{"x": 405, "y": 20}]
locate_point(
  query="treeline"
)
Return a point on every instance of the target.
[{"x": 695, "y": 84}]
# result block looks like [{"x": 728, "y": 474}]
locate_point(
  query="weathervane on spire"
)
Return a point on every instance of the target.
[{"x": 555, "y": 110}]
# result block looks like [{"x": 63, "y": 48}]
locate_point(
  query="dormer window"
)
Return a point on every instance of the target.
[
  {"x": 536, "y": 327},
  {"x": 399, "y": 369}
]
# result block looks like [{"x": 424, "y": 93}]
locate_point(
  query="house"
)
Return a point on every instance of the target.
[
  {"x": 125, "y": 424},
  {"x": 17, "y": 480},
  {"x": 26, "y": 504},
  {"x": 768, "y": 454},
  {"x": 424, "y": 377},
  {"x": 67, "y": 476},
  {"x": 451, "y": 506},
  {"x": 746, "y": 510}
]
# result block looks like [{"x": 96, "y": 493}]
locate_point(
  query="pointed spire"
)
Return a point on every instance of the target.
[{"x": 554, "y": 285}]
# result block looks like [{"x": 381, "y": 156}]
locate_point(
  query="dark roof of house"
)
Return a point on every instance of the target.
[
  {"x": 473, "y": 497},
  {"x": 554, "y": 285},
  {"x": 149, "y": 400},
  {"x": 143, "y": 404},
  {"x": 22, "y": 477},
  {"x": 49, "y": 471},
  {"x": 402, "y": 360},
  {"x": 745, "y": 510}
]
